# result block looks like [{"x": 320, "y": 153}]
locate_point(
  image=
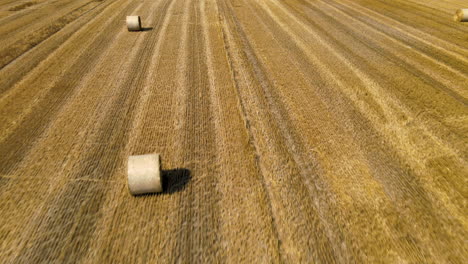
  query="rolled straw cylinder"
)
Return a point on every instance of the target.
[
  {"x": 144, "y": 174},
  {"x": 133, "y": 23},
  {"x": 461, "y": 15}
]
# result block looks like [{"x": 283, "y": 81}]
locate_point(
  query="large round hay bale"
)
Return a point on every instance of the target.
[
  {"x": 133, "y": 23},
  {"x": 144, "y": 174},
  {"x": 461, "y": 15}
]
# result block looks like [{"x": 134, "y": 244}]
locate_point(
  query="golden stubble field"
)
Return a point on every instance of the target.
[{"x": 295, "y": 131}]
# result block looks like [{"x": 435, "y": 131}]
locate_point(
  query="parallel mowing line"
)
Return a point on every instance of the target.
[
  {"x": 389, "y": 99},
  {"x": 42, "y": 71},
  {"x": 399, "y": 42},
  {"x": 421, "y": 11},
  {"x": 33, "y": 125},
  {"x": 377, "y": 90},
  {"x": 135, "y": 127},
  {"x": 180, "y": 109},
  {"x": 28, "y": 23},
  {"x": 10, "y": 74},
  {"x": 302, "y": 167},
  {"x": 43, "y": 67},
  {"x": 148, "y": 80},
  {"x": 120, "y": 93},
  {"x": 422, "y": 53},
  {"x": 427, "y": 39},
  {"x": 167, "y": 139},
  {"x": 449, "y": 5},
  {"x": 368, "y": 80},
  {"x": 307, "y": 55},
  {"x": 52, "y": 188},
  {"x": 124, "y": 102},
  {"x": 300, "y": 69},
  {"x": 18, "y": 15},
  {"x": 40, "y": 98},
  {"x": 28, "y": 42},
  {"x": 97, "y": 153},
  {"x": 226, "y": 36},
  {"x": 276, "y": 18},
  {"x": 208, "y": 234},
  {"x": 418, "y": 72},
  {"x": 191, "y": 244},
  {"x": 215, "y": 104},
  {"x": 222, "y": 29},
  {"x": 136, "y": 142}
]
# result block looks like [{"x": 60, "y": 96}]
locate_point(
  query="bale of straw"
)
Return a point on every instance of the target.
[
  {"x": 461, "y": 15},
  {"x": 144, "y": 174},
  {"x": 133, "y": 23}
]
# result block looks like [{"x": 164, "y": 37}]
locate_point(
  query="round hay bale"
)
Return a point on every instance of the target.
[
  {"x": 461, "y": 15},
  {"x": 133, "y": 23},
  {"x": 144, "y": 174}
]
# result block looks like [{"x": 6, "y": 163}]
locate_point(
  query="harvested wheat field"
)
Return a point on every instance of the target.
[{"x": 295, "y": 131}]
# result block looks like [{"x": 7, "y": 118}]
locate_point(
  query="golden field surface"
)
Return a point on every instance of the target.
[{"x": 292, "y": 131}]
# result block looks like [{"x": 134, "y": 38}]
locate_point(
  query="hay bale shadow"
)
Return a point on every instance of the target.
[{"x": 175, "y": 180}]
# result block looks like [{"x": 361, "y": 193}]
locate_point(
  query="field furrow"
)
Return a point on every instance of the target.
[{"x": 292, "y": 131}]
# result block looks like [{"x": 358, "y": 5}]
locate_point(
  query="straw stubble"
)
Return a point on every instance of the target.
[{"x": 292, "y": 131}]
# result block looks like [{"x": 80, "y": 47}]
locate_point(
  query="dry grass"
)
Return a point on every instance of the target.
[{"x": 291, "y": 131}]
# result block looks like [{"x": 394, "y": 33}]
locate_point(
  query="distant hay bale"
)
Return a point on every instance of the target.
[
  {"x": 461, "y": 15},
  {"x": 133, "y": 23},
  {"x": 144, "y": 174}
]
